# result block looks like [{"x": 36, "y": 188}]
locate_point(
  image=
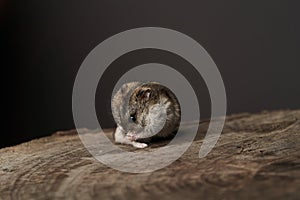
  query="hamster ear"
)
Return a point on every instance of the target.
[{"x": 144, "y": 94}]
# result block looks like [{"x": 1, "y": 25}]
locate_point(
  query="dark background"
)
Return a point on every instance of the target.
[{"x": 255, "y": 44}]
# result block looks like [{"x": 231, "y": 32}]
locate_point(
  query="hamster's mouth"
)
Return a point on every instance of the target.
[
  {"x": 131, "y": 137},
  {"x": 136, "y": 136}
]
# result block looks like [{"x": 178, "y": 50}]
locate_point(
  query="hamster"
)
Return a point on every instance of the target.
[{"x": 143, "y": 111}]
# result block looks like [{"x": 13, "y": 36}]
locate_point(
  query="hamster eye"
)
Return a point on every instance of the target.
[{"x": 133, "y": 117}]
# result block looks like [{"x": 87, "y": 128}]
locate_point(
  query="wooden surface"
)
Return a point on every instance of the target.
[{"x": 256, "y": 157}]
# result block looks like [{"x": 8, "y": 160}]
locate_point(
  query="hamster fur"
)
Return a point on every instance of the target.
[{"x": 144, "y": 111}]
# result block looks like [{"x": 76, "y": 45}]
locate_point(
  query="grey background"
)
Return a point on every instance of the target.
[{"x": 255, "y": 44}]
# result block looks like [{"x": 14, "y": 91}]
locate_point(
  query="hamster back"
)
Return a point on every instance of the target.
[{"x": 146, "y": 106}]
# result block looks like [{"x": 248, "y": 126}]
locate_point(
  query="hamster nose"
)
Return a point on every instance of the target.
[{"x": 131, "y": 136}]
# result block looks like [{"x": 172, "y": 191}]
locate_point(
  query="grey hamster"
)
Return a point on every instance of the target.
[{"x": 144, "y": 111}]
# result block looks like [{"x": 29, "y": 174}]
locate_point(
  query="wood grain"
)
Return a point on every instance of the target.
[{"x": 256, "y": 157}]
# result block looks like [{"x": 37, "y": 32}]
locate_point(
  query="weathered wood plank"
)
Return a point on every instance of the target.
[{"x": 256, "y": 157}]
